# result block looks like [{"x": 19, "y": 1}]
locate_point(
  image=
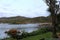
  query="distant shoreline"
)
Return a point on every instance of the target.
[{"x": 28, "y": 23}]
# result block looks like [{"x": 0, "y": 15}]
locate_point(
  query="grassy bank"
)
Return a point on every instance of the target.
[
  {"x": 38, "y": 37},
  {"x": 47, "y": 35},
  {"x": 35, "y": 35}
]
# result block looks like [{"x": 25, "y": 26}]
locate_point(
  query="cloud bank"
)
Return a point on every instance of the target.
[{"x": 28, "y": 8}]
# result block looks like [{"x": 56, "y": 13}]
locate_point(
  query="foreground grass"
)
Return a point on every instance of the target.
[{"x": 38, "y": 37}]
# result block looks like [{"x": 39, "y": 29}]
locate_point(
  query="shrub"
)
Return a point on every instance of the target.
[{"x": 13, "y": 33}]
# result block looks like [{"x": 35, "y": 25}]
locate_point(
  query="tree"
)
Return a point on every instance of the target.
[
  {"x": 58, "y": 16},
  {"x": 53, "y": 8}
]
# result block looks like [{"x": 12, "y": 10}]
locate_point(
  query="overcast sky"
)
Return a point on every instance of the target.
[{"x": 28, "y": 8}]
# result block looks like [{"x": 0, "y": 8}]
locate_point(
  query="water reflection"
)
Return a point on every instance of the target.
[{"x": 22, "y": 27}]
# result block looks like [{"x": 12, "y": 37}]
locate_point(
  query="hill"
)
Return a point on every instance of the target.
[{"x": 20, "y": 20}]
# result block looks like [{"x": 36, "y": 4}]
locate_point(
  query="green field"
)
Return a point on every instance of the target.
[{"x": 38, "y": 37}]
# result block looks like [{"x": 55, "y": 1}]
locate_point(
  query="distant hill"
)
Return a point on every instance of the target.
[{"x": 20, "y": 20}]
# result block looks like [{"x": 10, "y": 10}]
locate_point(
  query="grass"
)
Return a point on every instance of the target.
[{"x": 38, "y": 37}]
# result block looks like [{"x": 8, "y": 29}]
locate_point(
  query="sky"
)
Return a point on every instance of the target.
[{"x": 27, "y": 8}]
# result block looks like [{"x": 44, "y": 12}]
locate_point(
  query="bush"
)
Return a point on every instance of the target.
[
  {"x": 13, "y": 33},
  {"x": 37, "y": 32},
  {"x": 40, "y": 31}
]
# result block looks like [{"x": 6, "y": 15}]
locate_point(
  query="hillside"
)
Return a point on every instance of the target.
[{"x": 20, "y": 19}]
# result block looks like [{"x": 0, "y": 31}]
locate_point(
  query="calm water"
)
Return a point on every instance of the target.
[{"x": 22, "y": 27}]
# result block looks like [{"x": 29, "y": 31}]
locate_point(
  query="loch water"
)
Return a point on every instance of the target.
[{"x": 22, "y": 27}]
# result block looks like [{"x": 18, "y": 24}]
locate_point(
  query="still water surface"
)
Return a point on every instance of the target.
[{"x": 22, "y": 27}]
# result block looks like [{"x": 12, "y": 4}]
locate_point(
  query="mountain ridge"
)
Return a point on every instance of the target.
[{"x": 21, "y": 19}]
